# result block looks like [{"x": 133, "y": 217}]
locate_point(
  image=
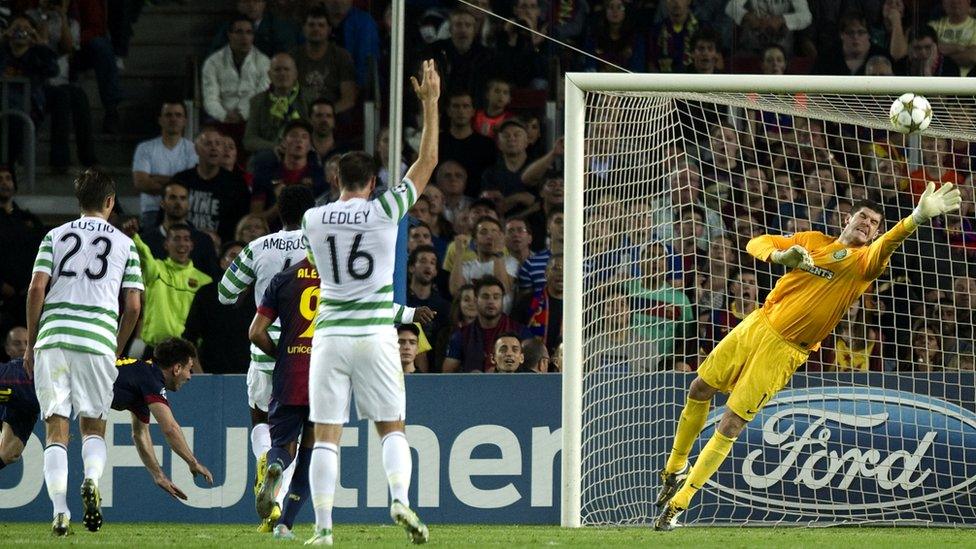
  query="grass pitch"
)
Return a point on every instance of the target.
[{"x": 359, "y": 535}]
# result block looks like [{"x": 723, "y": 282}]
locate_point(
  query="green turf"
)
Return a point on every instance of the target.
[{"x": 241, "y": 537}]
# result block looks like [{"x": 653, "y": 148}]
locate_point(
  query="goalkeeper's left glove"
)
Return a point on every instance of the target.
[{"x": 936, "y": 202}]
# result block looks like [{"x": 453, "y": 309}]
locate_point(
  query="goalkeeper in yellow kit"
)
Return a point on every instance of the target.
[{"x": 758, "y": 357}]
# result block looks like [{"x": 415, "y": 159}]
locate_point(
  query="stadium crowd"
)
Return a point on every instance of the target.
[{"x": 282, "y": 90}]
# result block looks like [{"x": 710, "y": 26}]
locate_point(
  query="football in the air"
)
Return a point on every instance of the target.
[{"x": 910, "y": 113}]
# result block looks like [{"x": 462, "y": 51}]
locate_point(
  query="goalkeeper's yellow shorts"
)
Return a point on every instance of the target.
[{"x": 752, "y": 363}]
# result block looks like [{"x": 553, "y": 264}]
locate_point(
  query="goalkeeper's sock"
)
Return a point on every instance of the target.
[
  {"x": 260, "y": 440},
  {"x": 689, "y": 426},
  {"x": 322, "y": 476},
  {"x": 397, "y": 463},
  {"x": 298, "y": 490},
  {"x": 93, "y": 455},
  {"x": 712, "y": 456},
  {"x": 56, "y": 477}
]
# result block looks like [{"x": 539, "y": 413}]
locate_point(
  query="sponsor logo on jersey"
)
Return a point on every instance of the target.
[
  {"x": 401, "y": 188},
  {"x": 852, "y": 452},
  {"x": 840, "y": 254}
]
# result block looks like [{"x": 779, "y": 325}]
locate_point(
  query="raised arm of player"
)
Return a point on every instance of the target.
[
  {"x": 142, "y": 438},
  {"x": 258, "y": 334},
  {"x": 35, "y": 304},
  {"x": 934, "y": 203},
  {"x": 131, "y": 307},
  {"x": 428, "y": 91},
  {"x": 174, "y": 435},
  {"x": 784, "y": 250}
]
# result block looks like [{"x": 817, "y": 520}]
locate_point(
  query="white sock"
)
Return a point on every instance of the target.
[
  {"x": 260, "y": 439},
  {"x": 93, "y": 455},
  {"x": 323, "y": 473},
  {"x": 56, "y": 477},
  {"x": 397, "y": 463},
  {"x": 285, "y": 483}
]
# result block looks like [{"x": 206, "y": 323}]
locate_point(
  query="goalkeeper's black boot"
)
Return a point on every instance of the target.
[
  {"x": 670, "y": 484},
  {"x": 91, "y": 501},
  {"x": 668, "y": 518}
]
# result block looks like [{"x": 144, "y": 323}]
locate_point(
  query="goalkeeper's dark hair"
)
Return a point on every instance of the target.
[
  {"x": 173, "y": 351},
  {"x": 869, "y": 204},
  {"x": 293, "y": 202}
]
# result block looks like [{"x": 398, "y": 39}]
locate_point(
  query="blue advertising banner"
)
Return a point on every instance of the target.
[{"x": 485, "y": 448}]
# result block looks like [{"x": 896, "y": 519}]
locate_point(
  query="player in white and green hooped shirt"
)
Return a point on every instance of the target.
[
  {"x": 352, "y": 242},
  {"x": 257, "y": 264},
  {"x": 75, "y": 332}
]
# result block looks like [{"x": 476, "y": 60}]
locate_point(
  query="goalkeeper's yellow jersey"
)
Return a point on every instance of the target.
[{"x": 805, "y": 306}]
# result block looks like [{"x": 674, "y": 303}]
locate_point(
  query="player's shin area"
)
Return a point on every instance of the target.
[
  {"x": 332, "y": 432},
  {"x": 731, "y": 424},
  {"x": 57, "y": 428}
]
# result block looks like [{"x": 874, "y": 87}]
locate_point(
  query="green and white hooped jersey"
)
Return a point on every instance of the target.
[
  {"x": 353, "y": 245},
  {"x": 90, "y": 262},
  {"x": 257, "y": 264}
]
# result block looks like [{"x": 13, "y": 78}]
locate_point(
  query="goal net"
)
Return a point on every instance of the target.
[{"x": 668, "y": 177}]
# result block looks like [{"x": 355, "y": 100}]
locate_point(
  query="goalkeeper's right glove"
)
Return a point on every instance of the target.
[
  {"x": 933, "y": 202},
  {"x": 793, "y": 257}
]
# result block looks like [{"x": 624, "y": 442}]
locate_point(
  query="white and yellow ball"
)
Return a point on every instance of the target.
[{"x": 910, "y": 113}]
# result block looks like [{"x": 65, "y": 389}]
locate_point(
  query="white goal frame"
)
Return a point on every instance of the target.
[{"x": 576, "y": 85}]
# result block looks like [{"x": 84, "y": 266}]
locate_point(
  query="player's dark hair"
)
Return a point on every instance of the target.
[
  {"x": 293, "y": 202},
  {"x": 237, "y": 18},
  {"x": 532, "y": 351},
  {"x": 178, "y": 227},
  {"x": 316, "y": 12},
  {"x": 487, "y": 282},
  {"x": 415, "y": 254},
  {"x": 92, "y": 187},
  {"x": 869, "y": 204},
  {"x": 355, "y": 170},
  {"x": 173, "y": 351}
]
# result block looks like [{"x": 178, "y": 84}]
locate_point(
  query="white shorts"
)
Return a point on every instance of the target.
[
  {"x": 368, "y": 366},
  {"x": 68, "y": 381},
  {"x": 258, "y": 388}
]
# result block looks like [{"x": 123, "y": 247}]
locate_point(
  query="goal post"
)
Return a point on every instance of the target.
[{"x": 871, "y": 440}]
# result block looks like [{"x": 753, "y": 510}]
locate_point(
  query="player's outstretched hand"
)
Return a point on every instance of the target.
[
  {"x": 429, "y": 89},
  {"x": 934, "y": 203},
  {"x": 170, "y": 488},
  {"x": 424, "y": 315},
  {"x": 130, "y": 227},
  {"x": 795, "y": 256},
  {"x": 199, "y": 469}
]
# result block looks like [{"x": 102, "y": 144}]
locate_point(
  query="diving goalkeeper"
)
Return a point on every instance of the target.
[{"x": 758, "y": 357}]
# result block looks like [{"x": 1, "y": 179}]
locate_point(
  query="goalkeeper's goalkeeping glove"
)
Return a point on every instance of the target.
[
  {"x": 793, "y": 257},
  {"x": 934, "y": 202}
]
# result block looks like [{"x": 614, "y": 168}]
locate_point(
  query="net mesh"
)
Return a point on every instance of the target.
[{"x": 878, "y": 425}]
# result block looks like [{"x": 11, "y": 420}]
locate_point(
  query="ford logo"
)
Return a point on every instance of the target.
[{"x": 852, "y": 452}]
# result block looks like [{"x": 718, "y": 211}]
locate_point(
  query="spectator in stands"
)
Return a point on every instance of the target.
[
  {"x": 272, "y": 34},
  {"x": 964, "y": 298},
  {"x": 856, "y": 48},
  {"x": 460, "y": 143},
  {"x": 323, "y": 121},
  {"x": 615, "y": 345},
  {"x": 422, "y": 292},
  {"x": 20, "y": 235},
  {"x": 756, "y": 198},
  {"x": 220, "y": 331},
  {"x": 957, "y": 34},
  {"x": 15, "y": 343},
  {"x": 924, "y": 57},
  {"x": 228, "y": 160},
  {"x": 724, "y": 171},
  {"x": 66, "y": 102},
  {"x": 820, "y": 196},
  {"x": 936, "y": 165},
  {"x": 551, "y": 197},
  {"x": 157, "y": 160},
  {"x": 464, "y": 62},
  {"x": 525, "y": 53},
  {"x": 506, "y": 174},
  {"x": 418, "y": 235},
  {"x": 271, "y": 110},
  {"x": 250, "y": 228},
  {"x": 464, "y": 310},
  {"x": 408, "y": 339},
  {"x": 566, "y": 18},
  {"x": 297, "y": 166},
  {"x": 170, "y": 284},
  {"x": 890, "y": 177},
  {"x": 662, "y": 313},
  {"x": 96, "y": 53},
  {"x": 439, "y": 225},
  {"x": 490, "y": 260},
  {"x": 176, "y": 209},
  {"x": 532, "y": 273},
  {"x": 774, "y": 59},
  {"x": 451, "y": 178},
  {"x": 463, "y": 228},
  {"x": 534, "y": 173},
  {"x": 542, "y": 310},
  {"x": 218, "y": 198},
  {"x": 743, "y": 300},
  {"x": 686, "y": 189},
  {"x": 536, "y": 356},
  {"x": 325, "y": 70},
  {"x": 234, "y": 74},
  {"x": 669, "y": 41},
  {"x": 357, "y": 32},
  {"x": 879, "y": 65},
  {"x": 706, "y": 56},
  {"x": 763, "y": 22},
  {"x": 24, "y": 55},
  {"x": 957, "y": 337},
  {"x": 471, "y": 347},
  {"x": 507, "y": 356},
  {"x": 614, "y": 38},
  {"x": 925, "y": 351},
  {"x": 383, "y": 158},
  {"x": 856, "y": 344},
  {"x": 498, "y": 95},
  {"x": 518, "y": 239}
]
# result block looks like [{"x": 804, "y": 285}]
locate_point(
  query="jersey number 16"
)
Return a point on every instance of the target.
[{"x": 354, "y": 254}]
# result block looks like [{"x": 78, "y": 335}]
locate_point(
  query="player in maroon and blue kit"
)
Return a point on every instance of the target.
[{"x": 292, "y": 295}]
